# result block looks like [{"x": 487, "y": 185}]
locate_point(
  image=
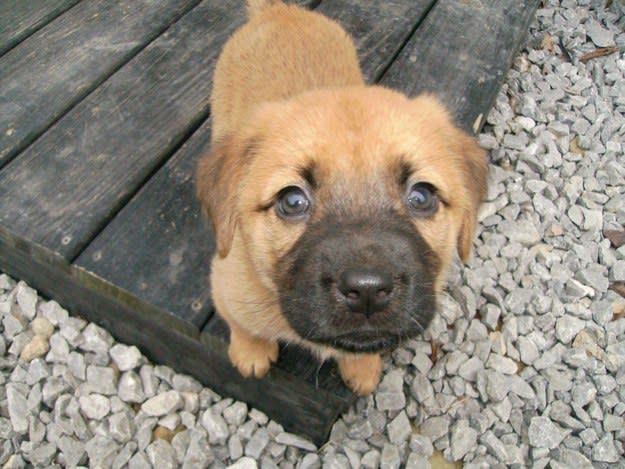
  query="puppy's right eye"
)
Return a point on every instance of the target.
[{"x": 292, "y": 204}]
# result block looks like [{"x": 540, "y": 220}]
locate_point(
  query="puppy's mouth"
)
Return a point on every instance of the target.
[{"x": 361, "y": 342}]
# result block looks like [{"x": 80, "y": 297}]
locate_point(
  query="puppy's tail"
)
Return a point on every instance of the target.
[{"x": 256, "y": 6}]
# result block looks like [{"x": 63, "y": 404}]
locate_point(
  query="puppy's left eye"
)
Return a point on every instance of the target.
[
  {"x": 292, "y": 203},
  {"x": 422, "y": 199}
]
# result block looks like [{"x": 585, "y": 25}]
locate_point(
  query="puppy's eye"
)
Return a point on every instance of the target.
[
  {"x": 422, "y": 199},
  {"x": 292, "y": 203}
]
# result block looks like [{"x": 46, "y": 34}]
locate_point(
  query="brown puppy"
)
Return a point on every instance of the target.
[{"x": 337, "y": 207}]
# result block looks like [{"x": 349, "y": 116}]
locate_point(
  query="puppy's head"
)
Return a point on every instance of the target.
[{"x": 348, "y": 206}]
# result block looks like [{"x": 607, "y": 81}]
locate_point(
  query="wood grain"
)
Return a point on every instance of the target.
[
  {"x": 379, "y": 28},
  {"x": 21, "y": 18},
  {"x": 165, "y": 258},
  {"x": 461, "y": 53},
  {"x": 52, "y": 70},
  {"x": 65, "y": 187}
]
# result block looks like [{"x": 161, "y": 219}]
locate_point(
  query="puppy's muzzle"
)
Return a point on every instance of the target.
[
  {"x": 357, "y": 285},
  {"x": 365, "y": 291}
]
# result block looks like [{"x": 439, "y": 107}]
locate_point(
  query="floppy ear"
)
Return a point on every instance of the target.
[
  {"x": 475, "y": 169},
  {"x": 217, "y": 182}
]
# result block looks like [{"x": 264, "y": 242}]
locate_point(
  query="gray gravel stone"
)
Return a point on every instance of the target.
[
  {"x": 501, "y": 364},
  {"x": 527, "y": 350},
  {"x": 435, "y": 427},
  {"x": 236, "y": 413},
  {"x": 102, "y": 379},
  {"x": 73, "y": 451},
  {"x": 399, "y": 429},
  {"x": 567, "y": 327},
  {"x": 313, "y": 461},
  {"x": 96, "y": 339},
  {"x": 494, "y": 446},
  {"x": 26, "y": 299},
  {"x": 583, "y": 394},
  {"x": 17, "y": 408},
  {"x": 130, "y": 388},
  {"x": 216, "y": 427},
  {"x": 163, "y": 404},
  {"x": 463, "y": 439},
  {"x": 543, "y": 433},
  {"x": 53, "y": 312},
  {"x": 290, "y": 439},
  {"x": 161, "y": 454},
  {"x": 122, "y": 427},
  {"x": 42, "y": 455},
  {"x": 94, "y": 406},
  {"x": 390, "y": 457},
  {"x": 199, "y": 453},
  {"x": 125, "y": 357},
  {"x": 421, "y": 444},
  {"x": 257, "y": 443},
  {"x": 422, "y": 390},
  {"x": 77, "y": 366},
  {"x": 101, "y": 451},
  {"x": 139, "y": 461},
  {"x": 390, "y": 400},
  {"x": 573, "y": 459},
  {"x": 244, "y": 463},
  {"x": 235, "y": 448},
  {"x": 598, "y": 34},
  {"x": 185, "y": 383},
  {"x": 470, "y": 368},
  {"x": 59, "y": 349},
  {"x": 123, "y": 457},
  {"x": 605, "y": 450}
]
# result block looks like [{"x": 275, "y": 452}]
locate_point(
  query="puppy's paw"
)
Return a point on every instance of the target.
[
  {"x": 361, "y": 373},
  {"x": 252, "y": 356}
]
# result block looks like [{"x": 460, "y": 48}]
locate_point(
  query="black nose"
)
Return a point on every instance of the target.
[{"x": 366, "y": 291}]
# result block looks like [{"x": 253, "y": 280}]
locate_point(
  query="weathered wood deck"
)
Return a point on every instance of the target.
[{"x": 103, "y": 115}]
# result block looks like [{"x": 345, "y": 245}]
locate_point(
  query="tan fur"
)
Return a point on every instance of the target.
[{"x": 287, "y": 91}]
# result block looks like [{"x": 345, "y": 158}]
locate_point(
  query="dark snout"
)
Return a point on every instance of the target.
[{"x": 358, "y": 285}]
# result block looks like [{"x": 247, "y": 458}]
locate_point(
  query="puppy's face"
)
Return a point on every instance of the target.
[{"x": 348, "y": 206}]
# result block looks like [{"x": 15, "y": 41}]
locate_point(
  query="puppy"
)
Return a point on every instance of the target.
[{"x": 337, "y": 207}]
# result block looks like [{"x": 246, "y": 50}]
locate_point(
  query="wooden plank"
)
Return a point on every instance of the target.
[
  {"x": 299, "y": 406},
  {"x": 65, "y": 187},
  {"x": 164, "y": 259},
  {"x": 21, "y": 18},
  {"x": 56, "y": 67},
  {"x": 379, "y": 28},
  {"x": 461, "y": 53}
]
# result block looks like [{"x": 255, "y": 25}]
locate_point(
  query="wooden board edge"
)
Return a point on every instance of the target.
[
  {"x": 39, "y": 266},
  {"x": 33, "y": 28}
]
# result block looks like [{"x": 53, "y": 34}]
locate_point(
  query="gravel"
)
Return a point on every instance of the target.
[{"x": 525, "y": 365}]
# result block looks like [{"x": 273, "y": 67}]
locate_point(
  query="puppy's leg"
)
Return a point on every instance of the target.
[
  {"x": 251, "y": 355},
  {"x": 361, "y": 373}
]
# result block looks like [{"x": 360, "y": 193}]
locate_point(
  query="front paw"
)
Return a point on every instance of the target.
[
  {"x": 252, "y": 356},
  {"x": 361, "y": 373}
]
